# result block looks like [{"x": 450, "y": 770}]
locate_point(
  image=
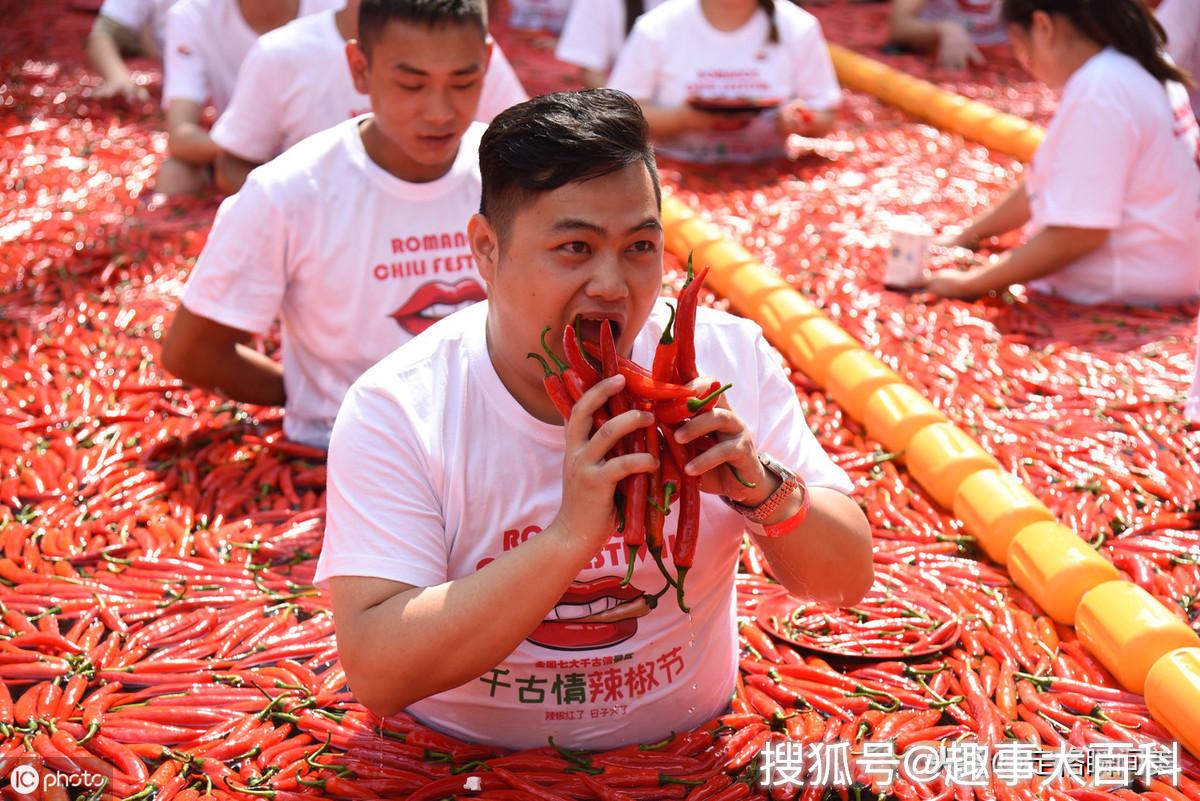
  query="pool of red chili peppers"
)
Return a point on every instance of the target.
[{"x": 158, "y": 542}]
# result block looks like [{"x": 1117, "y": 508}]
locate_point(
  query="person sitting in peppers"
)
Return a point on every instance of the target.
[
  {"x": 206, "y": 41},
  {"x": 471, "y": 548},
  {"x": 729, "y": 80},
  {"x": 954, "y": 29},
  {"x": 295, "y": 83},
  {"x": 133, "y": 27},
  {"x": 1112, "y": 197},
  {"x": 356, "y": 239}
]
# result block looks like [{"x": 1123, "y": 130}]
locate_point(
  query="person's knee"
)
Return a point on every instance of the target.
[{"x": 176, "y": 177}]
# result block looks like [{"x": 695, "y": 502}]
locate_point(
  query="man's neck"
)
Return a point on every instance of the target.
[
  {"x": 386, "y": 155},
  {"x": 346, "y": 21},
  {"x": 531, "y": 397},
  {"x": 263, "y": 17}
]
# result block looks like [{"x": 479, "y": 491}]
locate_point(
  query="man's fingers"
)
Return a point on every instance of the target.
[
  {"x": 579, "y": 427},
  {"x": 620, "y": 467},
  {"x": 612, "y": 432},
  {"x": 976, "y": 57}
]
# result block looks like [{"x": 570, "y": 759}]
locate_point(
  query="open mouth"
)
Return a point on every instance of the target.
[
  {"x": 434, "y": 301},
  {"x": 593, "y": 614},
  {"x": 589, "y": 327}
]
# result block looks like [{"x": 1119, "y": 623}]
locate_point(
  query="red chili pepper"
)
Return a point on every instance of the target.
[
  {"x": 678, "y": 411},
  {"x": 663, "y": 369},
  {"x": 575, "y": 358},
  {"x": 685, "y": 326},
  {"x": 555, "y": 388}
]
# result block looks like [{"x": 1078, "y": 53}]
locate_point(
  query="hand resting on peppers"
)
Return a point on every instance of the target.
[{"x": 477, "y": 574}]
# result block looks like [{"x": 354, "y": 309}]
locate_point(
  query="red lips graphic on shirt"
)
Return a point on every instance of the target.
[
  {"x": 977, "y": 6},
  {"x": 599, "y": 613},
  {"x": 418, "y": 312}
]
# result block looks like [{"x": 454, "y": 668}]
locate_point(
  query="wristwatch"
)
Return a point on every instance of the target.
[{"x": 789, "y": 482}]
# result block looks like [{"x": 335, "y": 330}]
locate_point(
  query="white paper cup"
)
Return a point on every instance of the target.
[{"x": 908, "y": 252}]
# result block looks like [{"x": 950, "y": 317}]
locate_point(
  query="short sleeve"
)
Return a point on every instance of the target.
[
  {"x": 383, "y": 518},
  {"x": 185, "y": 74},
  {"x": 782, "y": 430},
  {"x": 586, "y": 39},
  {"x": 241, "y": 275},
  {"x": 502, "y": 88},
  {"x": 814, "y": 78},
  {"x": 638, "y": 64},
  {"x": 1083, "y": 169},
  {"x": 249, "y": 128},
  {"x": 132, "y": 14}
]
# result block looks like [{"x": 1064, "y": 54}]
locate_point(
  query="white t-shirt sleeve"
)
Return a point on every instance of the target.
[
  {"x": 502, "y": 88},
  {"x": 782, "y": 430},
  {"x": 133, "y": 14},
  {"x": 384, "y": 519},
  {"x": 586, "y": 39},
  {"x": 185, "y": 74},
  {"x": 638, "y": 64},
  {"x": 249, "y": 128},
  {"x": 815, "y": 80},
  {"x": 1084, "y": 174},
  {"x": 240, "y": 277}
]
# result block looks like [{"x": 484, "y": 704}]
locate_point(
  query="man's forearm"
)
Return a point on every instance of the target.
[
  {"x": 665, "y": 122},
  {"x": 104, "y": 54},
  {"x": 828, "y": 557},
  {"x": 1007, "y": 215},
  {"x": 1050, "y": 250},
  {"x": 411, "y": 646},
  {"x": 232, "y": 171},
  {"x": 191, "y": 143},
  {"x": 242, "y": 374},
  {"x": 909, "y": 30}
]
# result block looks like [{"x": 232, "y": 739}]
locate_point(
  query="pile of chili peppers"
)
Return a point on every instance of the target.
[
  {"x": 158, "y": 624},
  {"x": 643, "y": 501}
]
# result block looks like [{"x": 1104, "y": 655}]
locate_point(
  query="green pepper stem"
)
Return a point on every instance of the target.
[
  {"x": 559, "y": 363},
  {"x": 696, "y": 404}
]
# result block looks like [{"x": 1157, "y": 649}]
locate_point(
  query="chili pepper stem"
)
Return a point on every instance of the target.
[
  {"x": 631, "y": 555},
  {"x": 683, "y": 607},
  {"x": 696, "y": 404},
  {"x": 662, "y": 567},
  {"x": 559, "y": 363}
]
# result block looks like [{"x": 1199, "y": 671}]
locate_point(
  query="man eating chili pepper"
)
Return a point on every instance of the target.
[{"x": 477, "y": 576}]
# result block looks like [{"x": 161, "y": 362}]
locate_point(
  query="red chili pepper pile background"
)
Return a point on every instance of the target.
[{"x": 158, "y": 543}]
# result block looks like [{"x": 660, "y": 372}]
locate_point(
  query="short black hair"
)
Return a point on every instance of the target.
[
  {"x": 374, "y": 15},
  {"x": 556, "y": 139}
]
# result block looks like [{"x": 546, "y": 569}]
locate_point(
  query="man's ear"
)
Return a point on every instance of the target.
[
  {"x": 485, "y": 246},
  {"x": 356, "y": 59}
]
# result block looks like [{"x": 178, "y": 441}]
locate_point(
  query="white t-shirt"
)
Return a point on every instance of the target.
[
  {"x": 1181, "y": 19},
  {"x": 140, "y": 15},
  {"x": 1116, "y": 157},
  {"x": 981, "y": 18},
  {"x": 206, "y": 43},
  {"x": 544, "y": 15},
  {"x": 353, "y": 260},
  {"x": 295, "y": 82},
  {"x": 594, "y": 32},
  {"x": 674, "y": 53},
  {"x": 435, "y": 470}
]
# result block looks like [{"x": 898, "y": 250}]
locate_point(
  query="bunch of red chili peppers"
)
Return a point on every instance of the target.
[{"x": 643, "y": 501}]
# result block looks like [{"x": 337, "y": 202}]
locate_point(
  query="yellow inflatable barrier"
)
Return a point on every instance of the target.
[
  {"x": 997, "y": 130},
  {"x": 1057, "y": 568},
  {"x": 1128, "y": 630},
  {"x": 994, "y": 507},
  {"x": 941, "y": 457},
  {"x": 853, "y": 377},
  {"x": 1173, "y": 696},
  {"x": 894, "y": 413}
]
